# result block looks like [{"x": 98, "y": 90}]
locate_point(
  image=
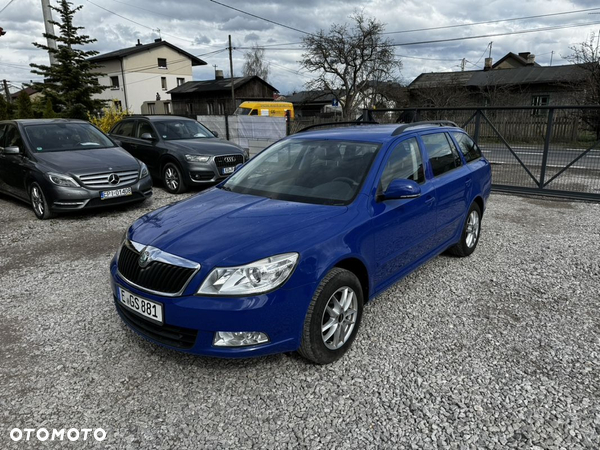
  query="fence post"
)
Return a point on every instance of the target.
[
  {"x": 288, "y": 125},
  {"x": 546, "y": 146},
  {"x": 227, "y": 126},
  {"x": 477, "y": 126}
]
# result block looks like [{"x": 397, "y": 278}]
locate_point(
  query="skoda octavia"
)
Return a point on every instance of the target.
[{"x": 283, "y": 254}]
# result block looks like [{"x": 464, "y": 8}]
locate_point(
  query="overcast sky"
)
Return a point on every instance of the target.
[{"x": 202, "y": 26}]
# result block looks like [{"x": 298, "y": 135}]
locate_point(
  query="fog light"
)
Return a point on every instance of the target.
[{"x": 239, "y": 338}]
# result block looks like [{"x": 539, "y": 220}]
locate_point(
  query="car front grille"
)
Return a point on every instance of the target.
[
  {"x": 158, "y": 277},
  {"x": 178, "y": 337},
  {"x": 109, "y": 179},
  {"x": 229, "y": 160}
]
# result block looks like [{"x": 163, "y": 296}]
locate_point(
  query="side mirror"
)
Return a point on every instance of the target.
[
  {"x": 12, "y": 150},
  {"x": 147, "y": 137},
  {"x": 401, "y": 189},
  {"x": 214, "y": 132}
]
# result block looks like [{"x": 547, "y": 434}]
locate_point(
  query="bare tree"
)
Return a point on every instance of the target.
[
  {"x": 255, "y": 64},
  {"x": 587, "y": 56},
  {"x": 347, "y": 57}
]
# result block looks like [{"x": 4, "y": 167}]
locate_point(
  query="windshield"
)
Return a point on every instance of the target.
[
  {"x": 59, "y": 137},
  {"x": 304, "y": 170},
  {"x": 242, "y": 111},
  {"x": 172, "y": 130}
]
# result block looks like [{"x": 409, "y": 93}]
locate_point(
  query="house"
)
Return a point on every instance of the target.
[
  {"x": 314, "y": 103},
  {"x": 211, "y": 97},
  {"x": 31, "y": 92},
  {"x": 144, "y": 73},
  {"x": 514, "y": 80}
]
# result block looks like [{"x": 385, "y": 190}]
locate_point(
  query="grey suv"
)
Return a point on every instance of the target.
[{"x": 177, "y": 150}]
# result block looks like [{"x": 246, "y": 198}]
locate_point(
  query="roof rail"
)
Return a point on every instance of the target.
[
  {"x": 441, "y": 123},
  {"x": 334, "y": 124}
]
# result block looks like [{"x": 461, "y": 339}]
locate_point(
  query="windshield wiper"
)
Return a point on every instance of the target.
[{"x": 225, "y": 188}]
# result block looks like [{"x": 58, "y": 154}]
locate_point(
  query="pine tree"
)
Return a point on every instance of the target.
[
  {"x": 71, "y": 82},
  {"x": 48, "y": 111},
  {"x": 24, "y": 106}
]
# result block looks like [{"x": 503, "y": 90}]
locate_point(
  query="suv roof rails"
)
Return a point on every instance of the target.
[
  {"x": 335, "y": 124},
  {"x": 441, "y": 123}
]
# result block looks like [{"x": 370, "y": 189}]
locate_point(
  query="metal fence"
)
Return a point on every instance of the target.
[{"x": 553, "y": 151}]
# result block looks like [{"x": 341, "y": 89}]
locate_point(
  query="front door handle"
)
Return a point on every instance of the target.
[
  {"x": 468, "y": 182},
  {"x": 429, "y": 200}
]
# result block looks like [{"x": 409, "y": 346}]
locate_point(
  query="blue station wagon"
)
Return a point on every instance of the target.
[{"x": 283, "y": 254}]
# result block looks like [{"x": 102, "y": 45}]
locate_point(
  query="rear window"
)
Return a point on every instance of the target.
[
  {"x": 124, "y": 129},
  {"x": 443, "y": 156},
  {"x": 467, "y": 146}
]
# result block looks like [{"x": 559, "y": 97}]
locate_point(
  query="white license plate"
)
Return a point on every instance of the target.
[
  {"x": 144, "y": 307},
  {"x": 227, "y": 170},
  {"x": 116, "y": 193}
]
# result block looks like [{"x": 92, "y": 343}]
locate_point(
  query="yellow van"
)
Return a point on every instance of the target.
[{"x": 268, "y": 109}]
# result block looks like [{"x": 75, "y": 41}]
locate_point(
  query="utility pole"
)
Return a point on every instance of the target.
[
  {"x": 551, "y": 56},
  {"x": 47, "y": 12},
  {"x": 231, "y": 72},
  {"x": 6, "y": 91},
  {"x": 462, "y": 65}
]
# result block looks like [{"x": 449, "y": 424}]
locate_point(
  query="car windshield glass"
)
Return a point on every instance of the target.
[
  {"x": 171, "y": 130},
  {"x": 326, "y": 172},
  {"x": 59, "y": 137},
  {"x": 242, "y": 111}
]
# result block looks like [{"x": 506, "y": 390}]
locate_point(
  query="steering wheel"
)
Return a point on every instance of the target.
[{"x": 350, "y": 181}]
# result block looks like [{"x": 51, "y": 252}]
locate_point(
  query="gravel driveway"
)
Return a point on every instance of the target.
[{"x": 499, "y": 350}]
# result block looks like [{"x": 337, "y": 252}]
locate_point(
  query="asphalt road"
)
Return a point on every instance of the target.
[{"x": 499, "y": 350}]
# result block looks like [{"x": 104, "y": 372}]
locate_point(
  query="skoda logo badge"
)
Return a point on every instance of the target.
[
  {"x": 144, "y": 259},
  {"x": 113, "y": 178}
]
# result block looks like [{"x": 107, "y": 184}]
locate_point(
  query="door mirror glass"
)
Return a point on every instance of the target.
[
  {"x": 402, "y": 188},
  {"x": 147, "y": 137},
  {"x": 12, "y": 150}
]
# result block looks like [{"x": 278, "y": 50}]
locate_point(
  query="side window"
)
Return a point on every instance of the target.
[
  {"x": 2, "y": 128},
  {"x": 144, "y": 127},
  {"x": 12, "y": 137},
  {"x": 467, "y": 146},
  {"x": 405, "y": 162},
  {"x": 443, "y": 156},
  {"x": 125, "y": 129}
]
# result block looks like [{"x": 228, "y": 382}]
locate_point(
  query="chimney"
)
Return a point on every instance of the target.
[
  {"x": 530, "y": 59},
  {"x": 138, "y": 44},
  {"x": 488, "y": 64},
  {"x": 158, "y": 40},
  {"x": 219, "y": 75}
]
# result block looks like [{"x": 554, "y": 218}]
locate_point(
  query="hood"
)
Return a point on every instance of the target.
[
  {"x": 221, "y": 227},
  {"x": 211, "y": 146},
  {"x": 80, "y": 162}
]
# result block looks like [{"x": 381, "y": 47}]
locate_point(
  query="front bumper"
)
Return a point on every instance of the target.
[
  {"x": 72, "y": 199},
  {"x": 206, "y": 173},
  {"x": 190, "y": 321}
]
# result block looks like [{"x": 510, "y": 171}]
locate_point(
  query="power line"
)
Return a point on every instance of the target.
[
  {"x": 490, "y": 21},
  {"x": 7, "y": 5},
  {"x": 259, "y": 17}
]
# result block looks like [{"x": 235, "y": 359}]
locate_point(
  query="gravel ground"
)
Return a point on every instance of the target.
[{"x": 499, "y": 350}]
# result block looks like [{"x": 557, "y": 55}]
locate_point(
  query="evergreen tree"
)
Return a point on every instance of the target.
[
  {"x": 71, "y": 82},
  {"x": 4, "y": 113},
  {"x": 24, "y": 107},
  {"x": 48, "y": 111}
]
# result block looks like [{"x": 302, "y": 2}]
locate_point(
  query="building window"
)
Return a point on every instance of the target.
[
  {"x": 180, "y": 81},
  {"x": 162, "y": 63},
  {"x": 151, "y": 108},
  {"x": 163, "y": 83},
  {"x": 167, "y": 108},
  {"x": 114, "y": 82},
  {"x": 540, "y": 100},
  {"x": 210, "y": 108},
  {"x": 118, "y": 105}
]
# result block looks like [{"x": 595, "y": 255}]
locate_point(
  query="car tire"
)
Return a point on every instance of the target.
[
  {"x": 338, "y": 304},
  {"x": 39, "y": 202},
  {"x": 470, "y": 233},
  {"x": 172, "y": 179}
]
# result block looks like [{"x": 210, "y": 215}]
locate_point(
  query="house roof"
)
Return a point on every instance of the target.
[
  {"x": 518, "y": 58},
  {"x": 521, "y": 75},
  {"x": 314, "y": 97},
  {"x": 28, "y": 90},
  {"x": 118, "y": 54},
  {"x": 223, "y": 84}
]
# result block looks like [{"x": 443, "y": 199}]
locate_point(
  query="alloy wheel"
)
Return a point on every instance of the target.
[
  {"x": 171, "y": 178},
  {"x": 472, "y": 231},
  {"x": 37, "y": 200},
  {"x": 339, "y": 318}
]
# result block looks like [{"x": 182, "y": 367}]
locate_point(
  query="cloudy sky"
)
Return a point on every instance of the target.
[{"x": 202, "y": 26}]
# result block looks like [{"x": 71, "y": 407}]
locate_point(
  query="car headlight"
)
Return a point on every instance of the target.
[
  {"x": 254, "y": 278},
  {"x": 143, "y": 170},
  {"x": 62, "y": 180},
  {"x": 197, "y": 158}
]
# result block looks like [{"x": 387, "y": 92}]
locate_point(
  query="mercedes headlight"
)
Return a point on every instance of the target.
[
  {"x": 143, "y": 170},
  {"x": 197, "y": 158},
  {"x": 62, "y": 180},
  {"x": 254, "y": 278}
]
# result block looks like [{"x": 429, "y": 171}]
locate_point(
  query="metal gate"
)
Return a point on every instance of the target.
[{"x": 551, "y": 150}]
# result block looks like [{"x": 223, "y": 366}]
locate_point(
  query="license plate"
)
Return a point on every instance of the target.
[
  {"x": 144, "y": 307},
  {"x": 116, "y": 193},
  {"x": 227, "y": 170}
]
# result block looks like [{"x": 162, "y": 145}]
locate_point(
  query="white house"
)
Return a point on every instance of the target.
[{"x": 144, "y": 73}]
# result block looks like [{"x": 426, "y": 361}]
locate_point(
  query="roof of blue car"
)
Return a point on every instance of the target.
[{"x": 373, "y": 133}]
